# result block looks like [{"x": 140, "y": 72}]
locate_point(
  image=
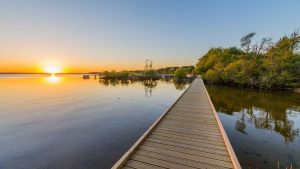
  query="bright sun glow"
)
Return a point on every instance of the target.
[
  {"x": 52, "y": 69},
  {"x": 53, "y": 79}
]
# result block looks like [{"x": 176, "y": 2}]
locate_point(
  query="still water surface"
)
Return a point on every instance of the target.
[
  {"x": 263, "y": 126},
  {"x": 67, "y": 122}
]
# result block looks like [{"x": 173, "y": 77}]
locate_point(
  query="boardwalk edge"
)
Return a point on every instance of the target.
[{"x": 231, "y": 152}]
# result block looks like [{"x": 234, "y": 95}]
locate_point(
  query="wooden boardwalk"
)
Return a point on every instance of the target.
[{"x": 188, "y": 135}]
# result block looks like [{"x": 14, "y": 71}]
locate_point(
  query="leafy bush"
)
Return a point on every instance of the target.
[{"x": 180, "y": 73}]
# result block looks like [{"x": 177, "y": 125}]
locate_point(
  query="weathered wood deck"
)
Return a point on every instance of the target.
[{"x": 188, "y": 135}]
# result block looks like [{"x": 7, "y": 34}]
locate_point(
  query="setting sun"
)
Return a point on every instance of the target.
[{"x": 52, "y": 69}]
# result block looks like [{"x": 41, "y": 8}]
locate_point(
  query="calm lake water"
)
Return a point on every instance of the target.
[
  {"x": 263, "y": 126},
  {"x": 71, "y": 123}
]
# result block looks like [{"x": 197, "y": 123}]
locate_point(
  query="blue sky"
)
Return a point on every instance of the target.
[{"x": 90, "y": 35}]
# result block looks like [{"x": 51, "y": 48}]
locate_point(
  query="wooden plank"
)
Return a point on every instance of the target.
[
  {"x": 189, "y": 142},
  {"x": 184, "y": 150},
  {"x": 196, "y": 131},
  {"x": 202, "y": 128},
  {"x": 201, "y": 104},
  {"x": 186, "y": 113},
  {"x": 193, "y": 129},
  {"x": 189, "y": 147},
  {"x": 178, "y": 124},
  {"x": 141, "y": 165},
  {"x": 126, "y": 167},
  {"x": 159, "y": 162},
  {"x": 209, "y": 128},
  {"x": 194, "y": 115},
  {"x": 186, "y": 144},
  {"x": 186, "y": 139},
  {"x": 191, "y": 133},
  {"x": 202, "y": 137},
  {"x": 180, "y": 109},
  {"x": 187, "y": 160},
  {"x": 189, "y": 121},
  {"x": 194, "y": 107},
  {"x": 193, "y": 120},
  {"x": 179, "y": 152}
]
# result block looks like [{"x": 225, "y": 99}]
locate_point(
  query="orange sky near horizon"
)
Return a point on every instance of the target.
[
  {"x": 29, "y": 66},
  {"x": 19, "y": 67},
  {"x": 28, "y": 56}
]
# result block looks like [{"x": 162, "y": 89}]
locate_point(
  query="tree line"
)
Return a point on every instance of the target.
[
  {"x": 179, "y": 73},
  {"x": 267, "y": 64}
]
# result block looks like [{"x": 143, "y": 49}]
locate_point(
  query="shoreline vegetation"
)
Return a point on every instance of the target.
[
  {"x": 263, "y": 65},
  {"x": 183, "y": 73}
]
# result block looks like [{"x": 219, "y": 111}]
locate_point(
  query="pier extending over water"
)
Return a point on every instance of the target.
[{"x": 188, "y": 135}]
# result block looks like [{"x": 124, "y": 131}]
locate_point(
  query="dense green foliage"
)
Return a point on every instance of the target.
[
  {"x": 151, "y": 74},
  {"x": 167, "y": 70},
  {"x": 180, "y": 73},
  {"x": 116, "y": 75},
  {"x": 147, "y": 74},
  {"x": 171, "y": 70},
  {"x": 263, "y": 65},
  {"x": 134, "y": 75},
  {"x": 189, "y": 69}
]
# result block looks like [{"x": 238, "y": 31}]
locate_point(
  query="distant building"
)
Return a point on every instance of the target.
[{"x": 190, "y": 75}]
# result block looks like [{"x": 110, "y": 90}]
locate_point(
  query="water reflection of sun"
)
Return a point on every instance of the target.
[{"x": 53, "y": 79}]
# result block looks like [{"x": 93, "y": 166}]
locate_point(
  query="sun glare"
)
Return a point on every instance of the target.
[
  {"x": 52, "y": 69},
  {"x": 53, "y": 79}
]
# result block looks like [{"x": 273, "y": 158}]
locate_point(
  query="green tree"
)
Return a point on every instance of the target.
[
  {"x": 180, "y": 74},
  {"x": 267, "y": 65},
  {"x": 151, "y": 74},
  {"x": 246, "y": 41}
]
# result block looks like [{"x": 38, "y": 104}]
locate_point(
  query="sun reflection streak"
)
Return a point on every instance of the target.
[{"x": 53, "y": 79}]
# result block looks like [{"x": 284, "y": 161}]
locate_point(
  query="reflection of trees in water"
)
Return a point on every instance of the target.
[
  {"x": 240, "y": 124},
  {"x": 109, "y": 82},
  {"x": 148, "y": 86},
  {"x": 168, "y": 80},
  {"x": 124, "y": 82},
  {"x": 150, "y": 83},
  {"x": 180, "y": 85},
  {"x": 269, "y": 110},
  {"x": 114, "y": 82},
  {"x": 104, "y": 82}
]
